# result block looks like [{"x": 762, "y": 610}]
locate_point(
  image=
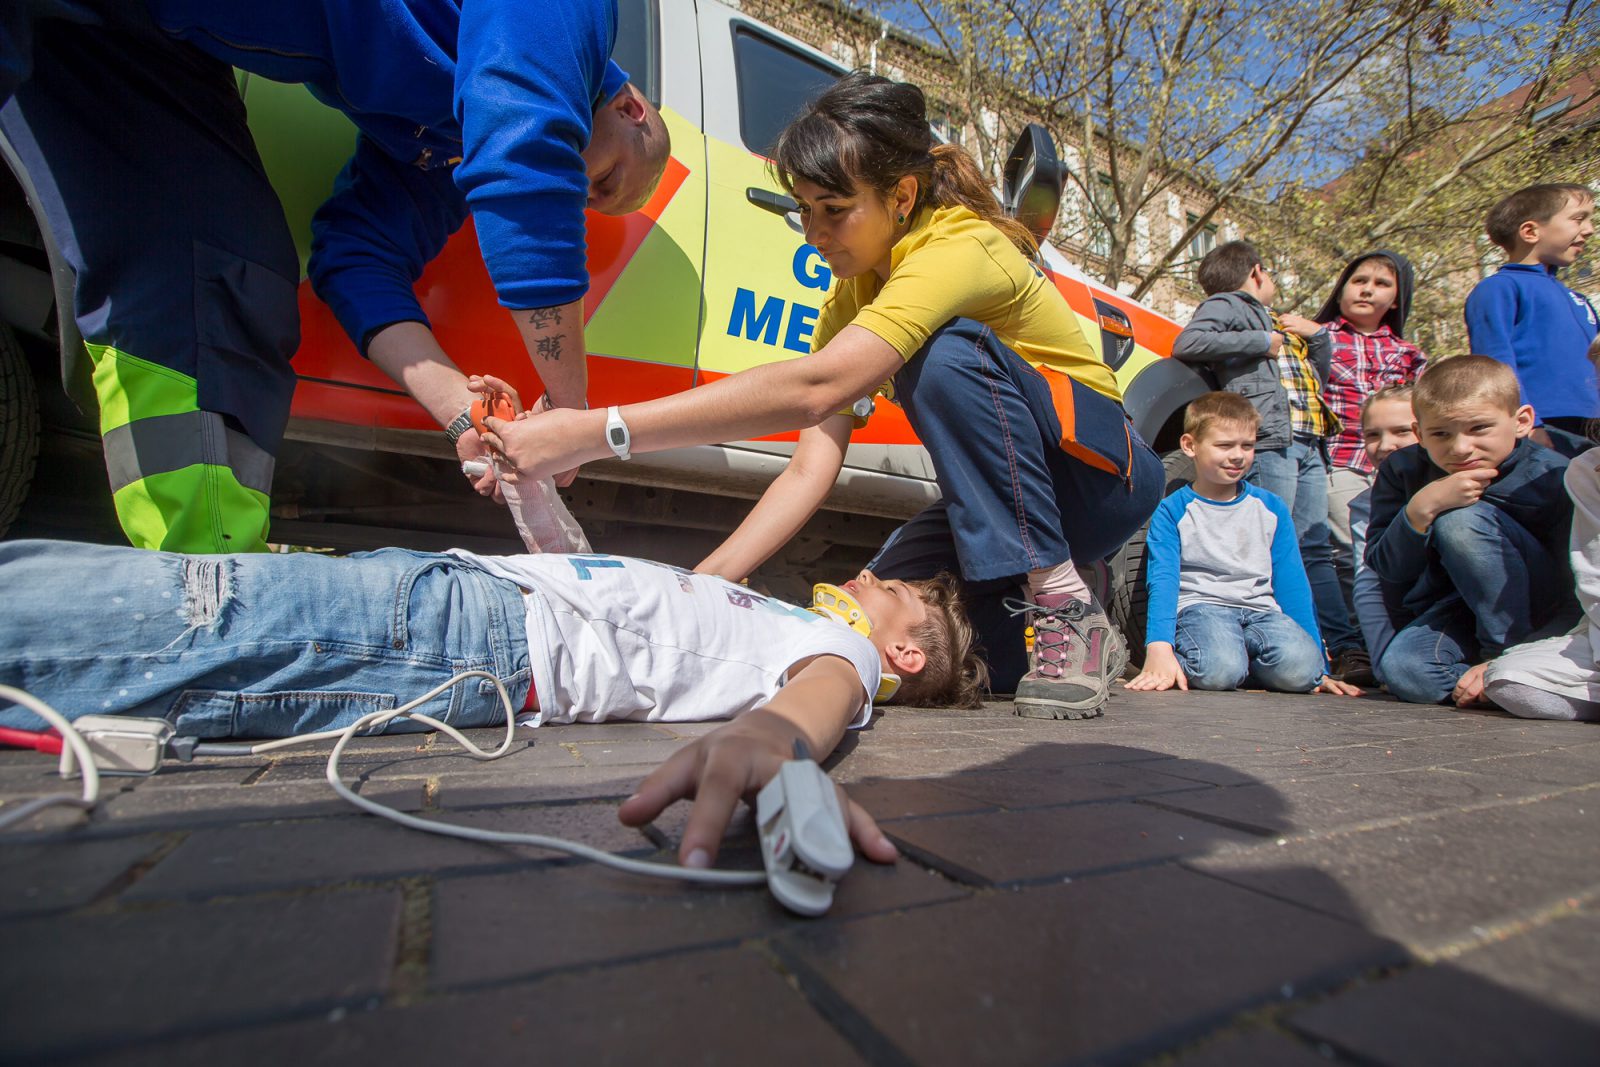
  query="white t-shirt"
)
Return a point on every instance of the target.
[{"x": 611, "y": 637}]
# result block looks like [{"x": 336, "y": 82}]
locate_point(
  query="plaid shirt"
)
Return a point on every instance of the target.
[
  {"x": 1309, "y": 414},
  {"x": 1363, "y": 363}
]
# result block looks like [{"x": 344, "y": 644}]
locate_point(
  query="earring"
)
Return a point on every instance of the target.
[{"x": 901, "y": 219}]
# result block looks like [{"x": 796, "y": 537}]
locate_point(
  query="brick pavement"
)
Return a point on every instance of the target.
[{"x": 1194, "y": 879}]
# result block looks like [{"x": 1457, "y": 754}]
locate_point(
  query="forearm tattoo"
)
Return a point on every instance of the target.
[
  {"x": 548, "y": 347},
  {"x": 542, "y": 318}
]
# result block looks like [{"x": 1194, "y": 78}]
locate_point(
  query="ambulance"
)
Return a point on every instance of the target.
[{"x": 711, "y": 277}]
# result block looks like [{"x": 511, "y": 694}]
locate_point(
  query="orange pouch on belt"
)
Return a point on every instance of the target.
[{"x": 1094, "y": 429}]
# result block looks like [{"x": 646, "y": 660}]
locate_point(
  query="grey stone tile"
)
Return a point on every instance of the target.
[
  {"x": 724, "y": 1008},
  {"x": 1579, "y": 765},
  {"x": 1528, "y": 999},
  {"x": 1026, "y": 788},
  {"x": 1099, "y": 969},
  {"x": 645, "y": 753},
  {"x": 1293, "y": 805},
  {"x": 892, "y": 798},
  {"x": 105, "y": 981},
  {"x": 592, "y": 824},
  {"x": 576, "y": 733},
  {"x": 491, "y": 786},
  {"x": 66, "y": 874},
  {"x": 1431, "y": 881},
  {"x": 215, "y": 806},
  {"x": 1255, "y": 1048},
  {"x": 1001, "y": 847}
]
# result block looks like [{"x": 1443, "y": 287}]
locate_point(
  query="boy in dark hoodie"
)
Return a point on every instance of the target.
[
  {"x": 1468, "y": 535},
  {"x": 1523, "y": 316},
  {"x": 1280, "y": 364},
  {"x": 1365, "y": 315}
]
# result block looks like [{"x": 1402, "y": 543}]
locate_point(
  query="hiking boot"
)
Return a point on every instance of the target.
[
  {"x": 1075, "y": 654},
  {"x": 1354, "y": 666}
]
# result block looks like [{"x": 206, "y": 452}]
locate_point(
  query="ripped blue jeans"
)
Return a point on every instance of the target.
[{"x": 254, "y": 645}]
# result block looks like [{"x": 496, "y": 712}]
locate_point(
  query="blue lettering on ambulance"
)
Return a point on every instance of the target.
[
  {"x": 746, "y": 321},
  {"x": 810, "y": 270},
  {"x": 797, "y": 338}
]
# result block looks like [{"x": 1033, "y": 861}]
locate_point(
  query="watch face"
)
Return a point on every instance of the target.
[{"x": 617, "y": 437}]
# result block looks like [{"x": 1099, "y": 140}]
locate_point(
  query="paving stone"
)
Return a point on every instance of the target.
[
  {"x": 1294, "y": 805},
  {"x": 66, "y": 874},
  {"x": 726, "y": 1008},
  {"x": 273, "y": 856},
  {"x": 526, "y": 756},
  {"x": 1002, "y": 847},
  {"x": 1527, "y": 999},
  {"x": 643, "y": 753},
  {"x": 492, "y": 786},
  {"x": 104, "y": 981},
  {"x": 1430, "y": 881},
  {"x": 1257, "y": 1048},
  {"x": 890, "y": 798},
  {"x": 1579, "y": 765},
  {"x": 1017, "y": 789},
  {"x": 172, "y": 808},
  {"x": 592, "y": 824},
  {"x": 587, "y": 732},
  {"x": 1099, "y": 969}
]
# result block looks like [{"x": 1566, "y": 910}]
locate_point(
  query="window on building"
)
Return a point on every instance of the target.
[
  {"x": 1551, "y": 110},
  {"x": 1204, "y": 240},
  {"x": 775, "y": 82}
]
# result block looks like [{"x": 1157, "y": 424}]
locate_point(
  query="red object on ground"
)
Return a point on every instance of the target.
[{"x": 42, "y": 740}]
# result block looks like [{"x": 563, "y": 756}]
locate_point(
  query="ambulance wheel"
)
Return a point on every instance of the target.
[
  {"x": 1130, "y": 597},
  {"x": 19, "y": 428}
]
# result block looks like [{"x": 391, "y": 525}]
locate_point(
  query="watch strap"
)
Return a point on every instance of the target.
[{"x": 459, "y": 425}]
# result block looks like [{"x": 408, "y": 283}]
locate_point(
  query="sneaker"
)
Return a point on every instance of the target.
[
  {"x": 1353, "y": 665},
  {"x": 1075, "y": 654}
]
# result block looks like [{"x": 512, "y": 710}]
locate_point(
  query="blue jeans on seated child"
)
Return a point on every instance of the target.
[
  {"x": 1497, "y": 567},
  {"x": 1012, "y": 499},
  {"x": 256, "y": 645},
  {"x": 1221, "y": 647}
]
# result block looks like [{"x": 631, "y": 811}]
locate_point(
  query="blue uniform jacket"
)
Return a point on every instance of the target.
[{"x": 480, "y": 105}]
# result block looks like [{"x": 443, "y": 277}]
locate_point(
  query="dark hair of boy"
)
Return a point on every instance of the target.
[
  {"x": 1536, "y": 203},
  {"x": 1226, "y": 267},
  {"x": 1460, "y": 380},
  {"x": 1219, "y": 407}
]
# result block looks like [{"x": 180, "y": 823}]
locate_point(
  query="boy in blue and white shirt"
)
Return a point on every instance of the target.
[{"x": 1228, "y": 595}]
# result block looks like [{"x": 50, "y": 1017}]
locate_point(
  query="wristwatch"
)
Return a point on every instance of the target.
[
  {"x": 617, "y": 433},
  {"x": 459, "y": 425}
]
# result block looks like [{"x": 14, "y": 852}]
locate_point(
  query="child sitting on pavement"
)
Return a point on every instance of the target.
[
  {"x": 1280, "y": 363},
  {"x": 1468, "y": 533},
  {"x": 276, "y": 645},
  {"x": 1228, "y": 596},
  {"x": 1387, "y": 425},
  {"x": 1525, "y": 317}
]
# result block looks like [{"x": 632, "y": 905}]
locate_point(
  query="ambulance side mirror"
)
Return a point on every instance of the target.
[{"x": 1033, "y": 181}]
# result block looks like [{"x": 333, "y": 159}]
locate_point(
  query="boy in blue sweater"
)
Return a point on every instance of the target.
[
  {"x": 1229, "y": 599},
  {"x": 1468, "y": 534},
  {"x": 1524, "y": 317}
]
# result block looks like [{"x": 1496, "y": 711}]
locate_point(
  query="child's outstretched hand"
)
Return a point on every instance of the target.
[
  {"x": 1161, "y": 670},
  {"x": 1336, "y": 687},
  {"x": 723, "y": 767},
  {"x": 1468, "y": 692}
]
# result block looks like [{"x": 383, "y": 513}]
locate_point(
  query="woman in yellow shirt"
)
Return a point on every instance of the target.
[{"x": 939, "y": 306}]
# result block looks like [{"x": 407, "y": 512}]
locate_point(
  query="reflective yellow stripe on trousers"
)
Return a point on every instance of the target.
[{"x": 182, "y": 480}]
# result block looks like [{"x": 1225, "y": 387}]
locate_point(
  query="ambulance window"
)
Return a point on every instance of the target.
[
  {"x": 774, "y": 84},
  {"x": 636, "y": 51}
]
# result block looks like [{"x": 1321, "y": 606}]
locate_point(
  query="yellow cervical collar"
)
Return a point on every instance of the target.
[{"x": 831, "y": 602}]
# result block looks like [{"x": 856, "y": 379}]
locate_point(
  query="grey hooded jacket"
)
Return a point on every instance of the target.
[{"x": 1230, "y": 336}]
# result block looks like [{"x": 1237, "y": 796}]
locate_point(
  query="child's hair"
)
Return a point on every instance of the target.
[
  {"x": 1536, "y": 203},
  {"x": 1450, "y": 383},
  {"x": 1207, "y": 411},
  {"x": 1388, "y": 392},
  {"x": 952, "y": 675},
  {"x": 1226, "y": 267},
  {"x": 867, "y": 131}
]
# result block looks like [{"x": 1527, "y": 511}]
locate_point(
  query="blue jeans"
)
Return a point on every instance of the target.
[
  {"x": 1013, "y": 500},
  {"x": 1220, "y": 647},
  {"x": 1299, "y": 474},
  {"x": 254, "y": 645},
  {"x": 1506, "y": 591}
]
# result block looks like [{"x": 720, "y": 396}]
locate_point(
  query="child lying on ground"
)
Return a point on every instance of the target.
[
  {"x": 1229, "y": 599},
  {"x": 279, "y": 645},
  {"x": 1468, "y": 533}
]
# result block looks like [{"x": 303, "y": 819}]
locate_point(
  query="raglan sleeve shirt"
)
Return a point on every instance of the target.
[{"x": 1163, "y": 553}]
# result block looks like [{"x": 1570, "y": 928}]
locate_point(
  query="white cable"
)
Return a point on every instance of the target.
[
  {"x": 383, "y": 718},
  {"x": 69, "y": 737}
]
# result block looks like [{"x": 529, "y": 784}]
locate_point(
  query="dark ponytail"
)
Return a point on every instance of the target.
[{"x": 868, "y": 131}]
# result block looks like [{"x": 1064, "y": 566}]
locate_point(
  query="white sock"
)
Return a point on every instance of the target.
[{"x": 1061, "y": 582}]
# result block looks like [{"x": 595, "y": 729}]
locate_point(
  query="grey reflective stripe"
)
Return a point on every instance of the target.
[{"x": 165, "y": 443}]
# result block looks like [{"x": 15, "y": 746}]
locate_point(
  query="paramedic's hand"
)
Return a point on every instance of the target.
[
  {"x": 1448, "y": 493},
  {"x": 488, "y": 383},
  {"x": 732, "y": 763},
  {"x": 1336, "y": 687},
  {"x": 1161, "y": 670},
  {"x": 470, "y": 446},
  {"x": 1468, "y": 692},
  {"x": 1299, "y": 324}
]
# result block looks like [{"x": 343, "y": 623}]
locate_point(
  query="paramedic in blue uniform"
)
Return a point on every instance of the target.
[{"x": 129, "y": 128}]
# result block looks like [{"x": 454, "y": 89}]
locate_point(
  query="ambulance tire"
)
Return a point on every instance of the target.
[
  {"x": 1130, "y": 597},
  {"x": 19, "y": 428}
]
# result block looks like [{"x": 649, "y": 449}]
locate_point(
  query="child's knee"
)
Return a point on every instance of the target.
[
  {"x": 1409, "y": 679},
  {"x": 1216, "y": 669},
  {"x": 1467, "y": 530},
  {"x": 1295, "y": 668}
]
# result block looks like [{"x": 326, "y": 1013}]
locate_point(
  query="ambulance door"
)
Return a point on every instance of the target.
[{"x": 763, "y": 283}]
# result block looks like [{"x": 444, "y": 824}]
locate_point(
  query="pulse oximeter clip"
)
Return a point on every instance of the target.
[{"x": 804, "y": 843}]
